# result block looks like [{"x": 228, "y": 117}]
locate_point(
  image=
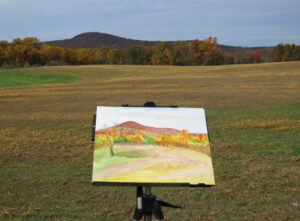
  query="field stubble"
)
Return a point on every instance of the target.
[{"x": 253, "y": 118}]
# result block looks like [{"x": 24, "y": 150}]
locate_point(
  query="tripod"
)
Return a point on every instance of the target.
[{"x": 146, "y": 205}]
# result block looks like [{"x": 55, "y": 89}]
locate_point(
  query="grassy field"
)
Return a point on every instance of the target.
[
  {"x": 253, "y": 114},
  {"x": 13, "y": 79}
]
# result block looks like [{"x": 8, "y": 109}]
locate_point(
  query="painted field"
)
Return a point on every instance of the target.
[
  {"x": 153, "y": 164},
  {"x": 253, "y": 117}
]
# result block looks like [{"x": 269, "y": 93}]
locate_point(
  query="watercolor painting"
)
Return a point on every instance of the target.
[{"x": 152, "y": 145}]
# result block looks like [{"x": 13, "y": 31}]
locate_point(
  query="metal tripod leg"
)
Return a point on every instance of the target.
[{"x": 147, "y": 205}]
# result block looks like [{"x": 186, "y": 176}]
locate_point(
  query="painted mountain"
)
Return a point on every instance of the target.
[
  {"x": 131, "y": 153},
  {"x": 133, "y": 132},
  {"x": 130, "y": 127}
]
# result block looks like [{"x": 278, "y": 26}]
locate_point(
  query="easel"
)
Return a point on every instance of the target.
[{"x": 146, "y": 204}]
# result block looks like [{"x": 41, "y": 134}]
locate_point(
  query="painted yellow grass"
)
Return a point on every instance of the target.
[{"x": 159, "y": 165}]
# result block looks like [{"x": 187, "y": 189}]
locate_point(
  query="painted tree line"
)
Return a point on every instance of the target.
[
  {"x": 110, "y": 137},
  {"x": 29, "y": 52}
]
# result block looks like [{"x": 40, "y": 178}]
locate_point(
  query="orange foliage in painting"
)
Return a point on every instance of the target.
[{"x": 127, "y": 135}]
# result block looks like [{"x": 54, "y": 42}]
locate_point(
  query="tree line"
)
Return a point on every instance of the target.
[{"x": 30, "y": 52}]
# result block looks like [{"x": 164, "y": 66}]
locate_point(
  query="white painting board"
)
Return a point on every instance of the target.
[{"x": 152, "y": 145}]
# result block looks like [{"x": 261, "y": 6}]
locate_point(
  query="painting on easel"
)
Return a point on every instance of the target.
[{"x": 152, "y": 145}]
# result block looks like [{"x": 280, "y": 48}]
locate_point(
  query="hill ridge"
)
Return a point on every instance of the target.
[{"x": 98, "y": 39}]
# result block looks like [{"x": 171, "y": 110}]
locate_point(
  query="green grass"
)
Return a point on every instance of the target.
[
  {"x": 14, "y": 79},
  {"x": 253, "y": 118}
]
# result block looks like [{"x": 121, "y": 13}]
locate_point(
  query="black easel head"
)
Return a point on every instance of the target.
[{"x": 149, "y": 104}]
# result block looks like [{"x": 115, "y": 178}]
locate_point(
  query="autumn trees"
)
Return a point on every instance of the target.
[
  {"x": 3, "y": 49},
  {"x": 18, "y": 51},
  {"x": 29, "y": 51},
  {"x": 287, "y": 52},
  {"x": 135, "y": 55},
  {"x": 202, "y": 50}
]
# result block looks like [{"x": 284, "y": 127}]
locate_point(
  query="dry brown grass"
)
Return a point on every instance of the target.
[
  {"x": 274, "y": 124},
  {"x": 253, "y": 117}
]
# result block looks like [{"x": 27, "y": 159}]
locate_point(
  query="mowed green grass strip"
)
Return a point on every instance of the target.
[
  {"x": 14, "y": 79},
  {"x": 46, "y": 152}
]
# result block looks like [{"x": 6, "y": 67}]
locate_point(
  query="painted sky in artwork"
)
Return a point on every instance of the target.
[{"x": 192, "y": 119}]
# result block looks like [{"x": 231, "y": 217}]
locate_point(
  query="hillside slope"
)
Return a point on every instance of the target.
[{"x": 96, "y": 40}]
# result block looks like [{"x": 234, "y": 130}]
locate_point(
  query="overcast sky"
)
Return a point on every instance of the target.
[{"x": 233, "y": 22}]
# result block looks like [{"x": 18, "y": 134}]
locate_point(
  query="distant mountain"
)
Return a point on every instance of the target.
[{"x": 96, "y": 40}]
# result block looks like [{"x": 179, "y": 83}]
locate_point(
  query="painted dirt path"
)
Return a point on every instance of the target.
[{"x": 159, "y": 164}]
